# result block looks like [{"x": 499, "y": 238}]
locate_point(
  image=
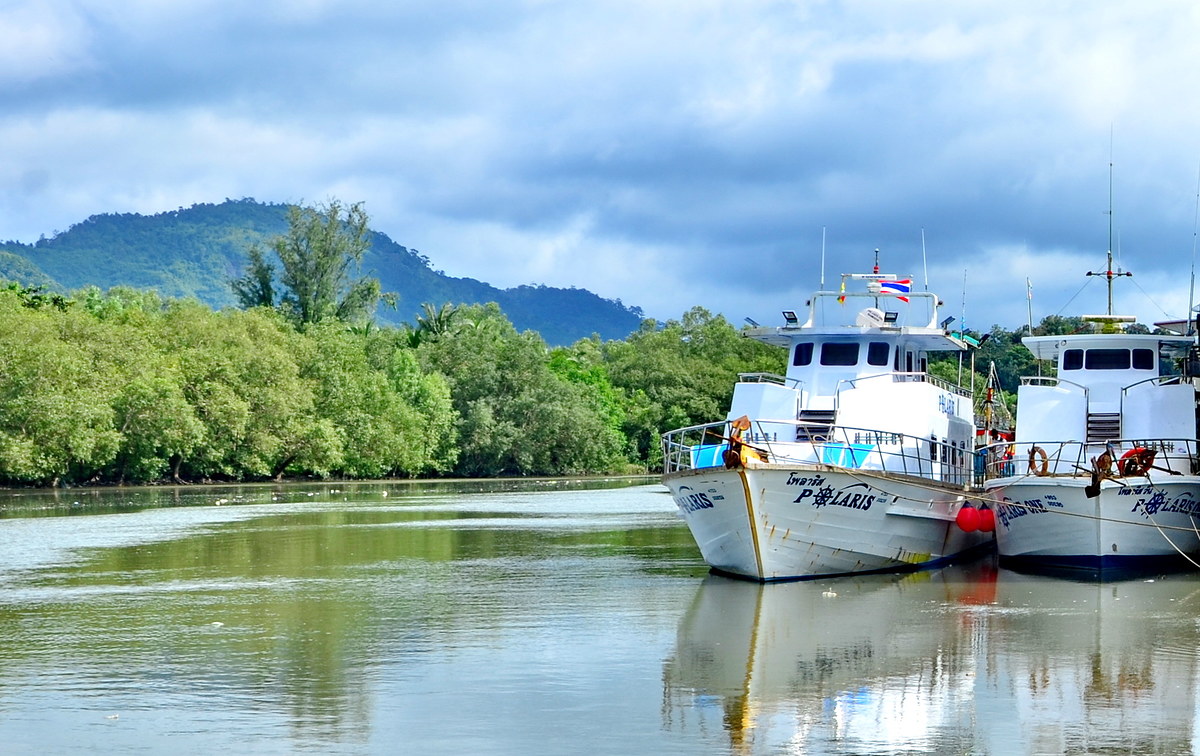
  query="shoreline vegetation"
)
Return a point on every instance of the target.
[{"x": 125, "y": 387}]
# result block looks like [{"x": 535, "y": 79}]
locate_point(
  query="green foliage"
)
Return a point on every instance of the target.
[
  {"x": 517, "y": 415},
  {"x": 319, "y": 256},
  {"x": 125, "y": 386},
  {"x": 37, "y": 297},
  {"x": 257, "y": 287},
  {"x": 681, "y": 374},
  {"x": 196, "y": 251}
]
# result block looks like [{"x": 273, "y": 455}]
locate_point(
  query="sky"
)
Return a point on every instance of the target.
[{"x": 667, "y": 153}]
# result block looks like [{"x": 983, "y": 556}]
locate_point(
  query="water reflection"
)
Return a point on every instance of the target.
[
  {"x": 379, "y": 618},
  {"x": 297, "y": 616},
  {"x": 963, "y": 660}
]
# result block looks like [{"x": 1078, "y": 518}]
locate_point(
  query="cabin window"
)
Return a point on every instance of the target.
[
  {"x": 877, "y": 353},
  {"x": 1143, "y": 359},
  {"x": 803, "y": 355},
  {"x": 933, "y": 446},
  {"x": 908, "y": 362},
  {"x": 924, "y": 365},
  {"x": 839, "y": 354},
  {"x": 1072, "y": 359},
  {"x": 1106, "y": 359}
]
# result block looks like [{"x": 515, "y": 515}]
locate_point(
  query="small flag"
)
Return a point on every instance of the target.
[
  {"x": 896, "y": 287},
  {"x": 842, "y": 298}
]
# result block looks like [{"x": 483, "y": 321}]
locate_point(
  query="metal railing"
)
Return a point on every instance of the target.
[
  {"x": 1173, "y": 456},
  {"x": 770, "y": 378},
  {"x": 907, "y": 378},
  {"x": 705, "y": 446}
]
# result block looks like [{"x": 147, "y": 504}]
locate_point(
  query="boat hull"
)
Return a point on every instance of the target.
[
  {"x": 1134, "y": 523},
  {"x": 783, "y": 522}
]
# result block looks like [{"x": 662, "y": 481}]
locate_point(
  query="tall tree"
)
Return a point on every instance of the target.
[
  {"x": 257, "y": 287},
  {"x": 319, "y": 258}
]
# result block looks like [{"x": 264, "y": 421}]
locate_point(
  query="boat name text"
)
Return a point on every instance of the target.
[
  {"x": 947, "y": 404},
  {"x": 1009, "y": 510},
  {"x": 855, "y": 496},
  {"x": 693, "y": 502},
  {"x": 800, "y": 480},
  {"x": 1154, "y": 501}
]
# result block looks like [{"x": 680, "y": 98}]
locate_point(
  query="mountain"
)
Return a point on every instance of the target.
[{"x": 197, "y": 251}]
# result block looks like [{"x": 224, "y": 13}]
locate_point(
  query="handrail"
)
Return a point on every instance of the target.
[
  {"x": 1175, "y": 379},
  {"x": 1074, "y": 458},
  {"x": 909, "y": 377},
  {"x": 781, "y": 380},
  {"x": 818, "y": 445},
  {"x": 1033, "y": 380}
]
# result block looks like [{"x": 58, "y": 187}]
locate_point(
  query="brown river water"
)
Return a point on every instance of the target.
[{"x": 540, "y": 617}]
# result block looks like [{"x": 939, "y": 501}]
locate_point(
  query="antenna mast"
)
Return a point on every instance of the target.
[
  {"x": 1192, "y": 286},
  {"x": 924, "y": 260},
  {"x": 1108, "y": 271},
  {"x": 822, "y": 257}
]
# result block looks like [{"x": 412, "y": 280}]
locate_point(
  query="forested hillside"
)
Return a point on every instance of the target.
[
  {"x": 197, "y": 251},
  {"x": 126, "y": 387}
]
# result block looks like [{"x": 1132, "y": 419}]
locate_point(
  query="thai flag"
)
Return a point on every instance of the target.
[{"x": 896, "y": 287}]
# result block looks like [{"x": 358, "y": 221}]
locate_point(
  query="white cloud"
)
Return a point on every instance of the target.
[{"x": 668, "y": 153}]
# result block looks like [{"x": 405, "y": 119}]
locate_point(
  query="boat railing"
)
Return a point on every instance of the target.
[
  {"x": 1172, "y": 456},
  {"x": 1050, "y": 380},
  {"x": 850, "y": 383},
  {"x": 1160, "y": 380},
  {"x": 769, "y": 378},
  {"x": 816, "y": 445}
]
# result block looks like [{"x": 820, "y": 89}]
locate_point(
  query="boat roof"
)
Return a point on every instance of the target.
[
  {"x": 1050, "y": 347},
  {"x": 883, "y": 306}
]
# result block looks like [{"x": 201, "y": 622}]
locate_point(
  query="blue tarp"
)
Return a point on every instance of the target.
[
  {"x": 846, "y": 455},
  {"x": 709, "y": 455}
]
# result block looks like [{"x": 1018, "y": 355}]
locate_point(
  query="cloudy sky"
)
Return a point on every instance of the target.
[{"x": 668, "y": 153}]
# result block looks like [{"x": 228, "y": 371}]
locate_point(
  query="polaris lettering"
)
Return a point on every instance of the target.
[
  {"x": 857, "y": 496},
  {"x": 693, "y": 502}
]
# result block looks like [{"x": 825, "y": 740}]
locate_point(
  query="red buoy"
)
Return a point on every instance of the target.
[
  {"x": 987, "y": 520},
  {"x": 968, "y": 518}
]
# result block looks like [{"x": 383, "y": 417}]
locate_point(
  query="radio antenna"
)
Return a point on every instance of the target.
[
  {"x": 822, "y": 258},
  {"x": 1191, "y": 328},
  {"x": 924, "y": 260}
]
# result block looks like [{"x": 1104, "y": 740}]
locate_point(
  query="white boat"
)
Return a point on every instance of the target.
[
  {"x": 857, "y": 460},
  {"x": 1102, "y": 473}
]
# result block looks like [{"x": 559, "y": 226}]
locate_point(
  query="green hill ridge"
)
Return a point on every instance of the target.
[{"x": 197, "y": 251}]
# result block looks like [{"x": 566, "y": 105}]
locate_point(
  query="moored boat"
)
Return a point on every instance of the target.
[
  {"x": 856, "y": 460},
  {"x": 1102, "y": 474}
]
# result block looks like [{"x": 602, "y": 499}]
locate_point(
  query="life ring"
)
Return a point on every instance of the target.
[
  {"x": 1136, "y": 461},
  {"x": 1034, "y": 453}
]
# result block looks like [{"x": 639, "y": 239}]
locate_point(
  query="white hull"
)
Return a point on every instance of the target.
[
  {"x": 1052, "y": 521},
  {"x": 784, "y": 522}
]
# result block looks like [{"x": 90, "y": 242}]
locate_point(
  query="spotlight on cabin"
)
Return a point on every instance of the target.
[
  {"x": 891, "y": 317},
  {"x": 790, "y": 318},
  {"x": 751, "y": 321},
  {"x": 946, "y": 323}
]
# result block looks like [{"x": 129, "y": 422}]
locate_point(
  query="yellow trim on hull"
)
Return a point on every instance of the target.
[{"x": 752, "y": 521}]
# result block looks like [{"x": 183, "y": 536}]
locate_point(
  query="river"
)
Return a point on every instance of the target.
[{"x": 541, "y": 617}]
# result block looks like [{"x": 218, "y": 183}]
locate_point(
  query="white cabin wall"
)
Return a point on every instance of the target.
[
  {"x": 1051, "y": 413},
  {"x": 1154, "y": 411},
  {"x": 766, "y": 401},
  {"x": 916, "y": 408}
]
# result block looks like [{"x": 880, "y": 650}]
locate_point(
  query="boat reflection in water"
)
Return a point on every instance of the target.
[{"x": 965, "y": 659}]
